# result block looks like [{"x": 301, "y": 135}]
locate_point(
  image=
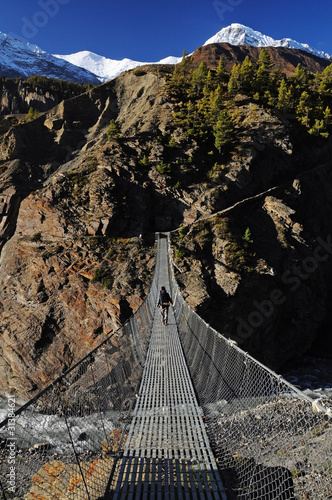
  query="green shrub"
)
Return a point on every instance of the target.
[
  {"x": 182, "y": 232},
  {"x": 80, "y": 176},
  {"x": 36, "y": 237},
  {"x": 179, "y": 254},
  {"x": 164, "y": 168},
  {"x": 104, "y": 276},
  {"x": 221, "y": 228},
  {"x": 215, "y": 172},
  {"x": 247, "y": 236},
  {"x": 47, "y": 254},
  {"x": 203, "y": 236},
  {"x": 32, "y": 114},
  {"x": 235, "y": 256},
  {"x": 113, "y": 130},
  {"x": 144, "y": 161}
]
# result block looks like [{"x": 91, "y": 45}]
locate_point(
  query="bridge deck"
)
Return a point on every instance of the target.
[{"x": 167, "y": 452}]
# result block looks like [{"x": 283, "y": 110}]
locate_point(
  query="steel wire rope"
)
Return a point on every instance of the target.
[
  {"x": 92, "y": 366},
  {"x": 76, "y": 456}
]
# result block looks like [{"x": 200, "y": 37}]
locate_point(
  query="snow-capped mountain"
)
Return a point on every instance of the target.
[
  {"x": 24, "y": 59},
  {"x": 18, "y": 58},
  {"x": 237, "y": 34},
  {"x": 107, "y": 69}
]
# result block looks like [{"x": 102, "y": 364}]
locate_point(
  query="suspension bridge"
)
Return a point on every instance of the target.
[{"x": 168, "y": 412}]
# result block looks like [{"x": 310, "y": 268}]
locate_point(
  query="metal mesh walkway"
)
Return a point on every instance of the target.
[{"x": 167, "y": 453}]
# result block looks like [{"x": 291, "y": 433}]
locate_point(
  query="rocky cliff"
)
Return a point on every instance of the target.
[
  {"x": 80, "y": 200},
  {"x": 73, "y": 264},
  {"x": 260, "y": 271},
  {"x": 39, "y": 93},
  {"x": 18, "y": 99}
]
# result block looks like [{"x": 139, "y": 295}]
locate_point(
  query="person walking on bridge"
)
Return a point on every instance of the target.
[{"x": 164, "y": 302}]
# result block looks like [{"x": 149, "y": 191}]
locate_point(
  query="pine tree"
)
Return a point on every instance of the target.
[
  {"x": 262, "y": 79},
  {"x": 300, "y": 75},
  {"x": 276, "y": 78},
  {"x": 234, "y": 84},
  {"x": 327, "y": 117},
  {"x": 303, "y": 108},
  {"x": 113, "y": 130},
  {"x": 199, "y": 77},
  {"x": 223, "y": 130},
  {"x": 221, "y": 75},
  {"x": 319, "y": 129},
  {"x": 282, "y": 92},
  {"x": 269, "y": 100},
  {"x": 215, "y": 104},
  {"x": 325, "y": 86},
  {"x": 209, "y": 83},
  {"x": 265, "y": 58},
  {"x": 246, "y": 75},
  {"x": 179, "y": 82},
  {"x": 247, "y": 236},
  {"x": 285, "y": 97}
]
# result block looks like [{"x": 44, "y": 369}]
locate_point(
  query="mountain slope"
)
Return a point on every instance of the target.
[
  {"x": 19, "y": 59},
  {"x": 284, "y": 59},
  {"x": 238, "y": 34}
]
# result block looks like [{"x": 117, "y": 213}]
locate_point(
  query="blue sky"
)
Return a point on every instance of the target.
[{"x": 153, "y": 29}]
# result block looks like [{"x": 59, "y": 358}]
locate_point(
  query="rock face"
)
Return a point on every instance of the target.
[
  {"x": 39, "y": 93},
  {"x": 19, "y": 98},
  {"x": 79, "y": 202},
  {"x": 67, "y": 278},
  {"x": 260, "y": 271}
]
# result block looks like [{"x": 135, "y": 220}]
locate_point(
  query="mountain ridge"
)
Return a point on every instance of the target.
[
  {"x": 105, "y": 68},
  {"x": 234, "y": 34},
  {"x": 19, "y": 59}
]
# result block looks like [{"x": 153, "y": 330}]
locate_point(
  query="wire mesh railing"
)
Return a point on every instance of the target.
[
  {"x": 66, "y": 441},
  {"x": 270, "y": 440}
]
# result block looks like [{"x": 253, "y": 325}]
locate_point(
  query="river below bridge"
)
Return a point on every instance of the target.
[{"x": 313, "y": 375}]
